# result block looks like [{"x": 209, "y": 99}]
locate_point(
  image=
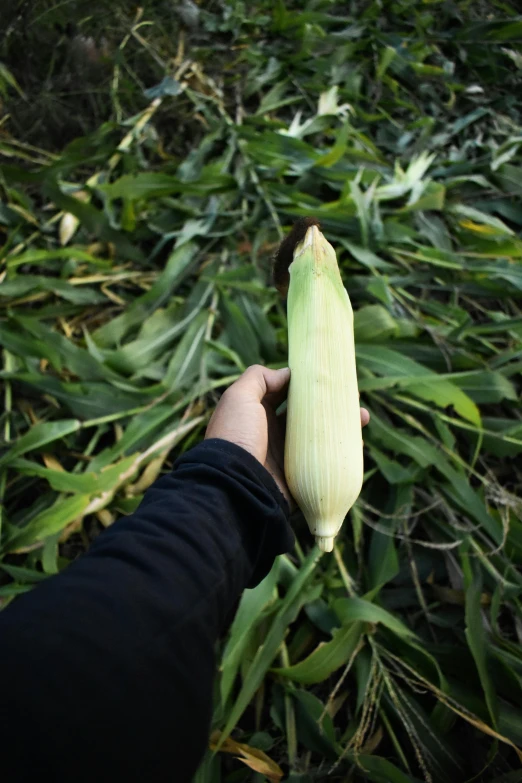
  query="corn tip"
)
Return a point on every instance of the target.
[{"x": 325, "y": 543}]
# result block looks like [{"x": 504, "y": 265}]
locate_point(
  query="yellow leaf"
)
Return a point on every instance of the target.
[
  {"x": 481, "y": 726},
  {"x": 106, "y": 517},
  {"x": 149, "y": 475},
  {"x": 52, "y": 463},
  {"x": 479, "y": 228},
  {"x": 458, "y": 597},
  {"x": 69, "y": 222},
  {"x": 68, "y": 225},
  {"x": 253, "y": 757},
  {"x": 458, "y": 709},
  {"x": 24, "y": 213}
]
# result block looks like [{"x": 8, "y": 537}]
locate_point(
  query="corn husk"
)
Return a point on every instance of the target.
[{"x": 324, "y": 449}]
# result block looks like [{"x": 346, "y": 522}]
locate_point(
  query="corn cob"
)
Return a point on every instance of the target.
[{"x": 324, "y": 450}]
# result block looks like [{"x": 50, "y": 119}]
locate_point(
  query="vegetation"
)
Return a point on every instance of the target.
[{"x": 149, "y": 167}]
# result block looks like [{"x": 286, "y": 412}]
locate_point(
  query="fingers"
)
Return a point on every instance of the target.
[{"x": 258, "y": 382}]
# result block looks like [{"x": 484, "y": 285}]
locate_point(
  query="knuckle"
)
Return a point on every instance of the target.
[
  {"x": 229, "y": 394},
  {"x": 226, "y": 394}
]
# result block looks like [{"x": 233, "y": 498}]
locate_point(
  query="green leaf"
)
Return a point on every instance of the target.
[
  {"x": 478, "y": 644},
  {"x": 326, "y": 658},
  {"x": 84, "y": 483},
  {"x": 177, "y": 267},
  {"x": 95, "y": 220},
  {"x": 388, "y": 54},
  {"x": 23, "y": 575},
  {"x": 264, "y": 656},
  {"x": 249, "y": 613},
  {"x": 494, "y": 30},
  {"x": 183, "y": 367},
  {"x": 380, "y": 770},
  {"x": 367, "y": 258},
  {"x": 21, "y": 286},
  {"x": 469, "y": 501},
  {"x": 418, "y": 380},
  {"x": 36, "y": 257},
  {"x": 350, "y": 610},
  {"x": 7, "y": 79},
  {"x": 48, "y": 522},
  {"x": 338, "y": 149},
  {"x": 383, "y": 560},
  {"x": 403, "y": 442},
  {"x": 137, "y": 355},
  {"x": 393, "y": 471},
  {"x": 141, "y": 432},
  {"x": 167, "y": 86},
  {"x": 39, "y": 435},
  {"x": 315, "y": 736},
  {"x": 482, "y": 218},
  {"x": 152, "y": 184},
  {"x": 500, "y": 445},
  {"x": 373, "y": 322},
  {"x": 444, "y": 393},
  {"x": 486, "y": 386},
  {"x": 240, "y": 333},
  {"x": 274, "y": 98}
]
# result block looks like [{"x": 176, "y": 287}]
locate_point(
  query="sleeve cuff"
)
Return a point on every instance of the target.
[
  {"x": 259, "y": 511},
  {"x": 219, "y": 452}
]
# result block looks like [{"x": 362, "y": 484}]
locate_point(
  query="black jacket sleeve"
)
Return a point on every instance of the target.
[{"x": 107, "y": 668}]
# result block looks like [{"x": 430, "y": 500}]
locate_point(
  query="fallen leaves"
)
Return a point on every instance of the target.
[{"x": 253, "y": 757}]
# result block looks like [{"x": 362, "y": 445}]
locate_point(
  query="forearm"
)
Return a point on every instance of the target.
[{"x": 118, "y": 649}]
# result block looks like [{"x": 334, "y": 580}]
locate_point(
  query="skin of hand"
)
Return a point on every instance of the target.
[{"x": 246, "y": 415}]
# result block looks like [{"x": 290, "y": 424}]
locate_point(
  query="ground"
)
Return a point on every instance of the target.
[{"x": 152, "y": 159}]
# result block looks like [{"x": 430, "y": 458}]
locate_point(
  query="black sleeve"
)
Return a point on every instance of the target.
[{"x": 107, "y": 668}]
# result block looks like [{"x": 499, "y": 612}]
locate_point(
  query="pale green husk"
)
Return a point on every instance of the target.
[{"x": 323, "y": 454}]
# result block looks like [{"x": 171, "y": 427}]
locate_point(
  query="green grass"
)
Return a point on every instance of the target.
[{"x": 136, "y": 286}]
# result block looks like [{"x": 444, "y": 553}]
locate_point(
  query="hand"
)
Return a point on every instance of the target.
[{"x": 246, "y": 415}]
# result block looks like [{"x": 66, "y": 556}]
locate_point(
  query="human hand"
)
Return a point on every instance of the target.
[{"x": 246, "y": 415}]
